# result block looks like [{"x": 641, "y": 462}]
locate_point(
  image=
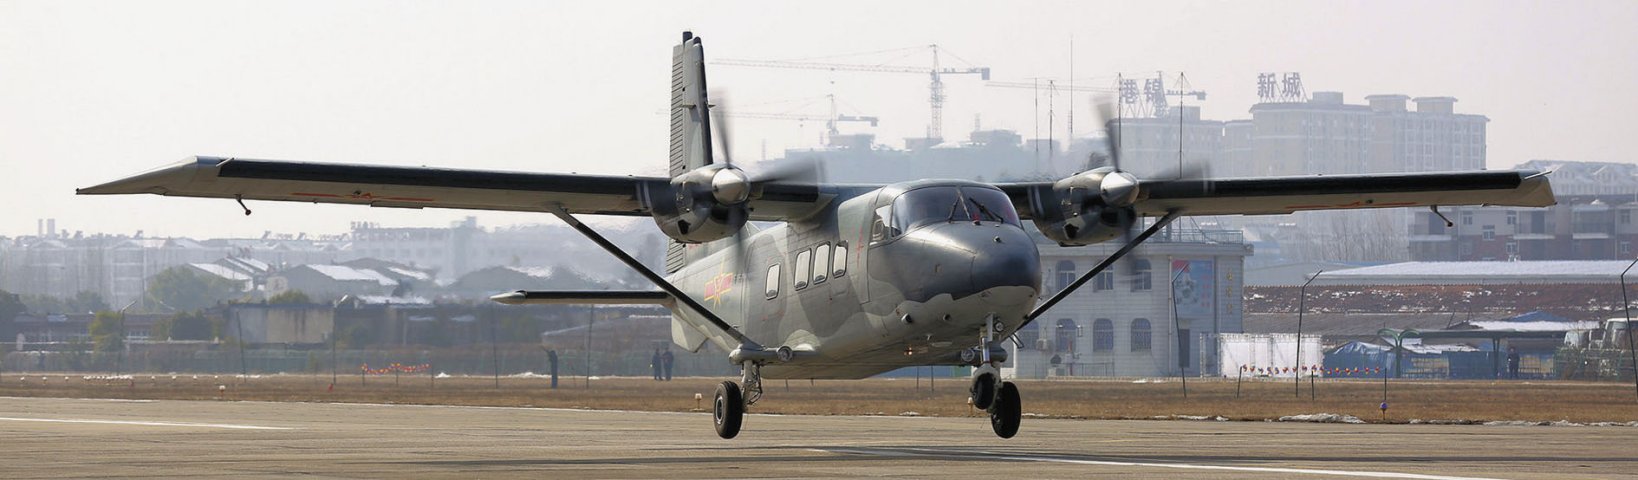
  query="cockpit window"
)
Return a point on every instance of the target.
[
  {"x": 990, "y": 205},
  {"x": 924, "y": 206}
]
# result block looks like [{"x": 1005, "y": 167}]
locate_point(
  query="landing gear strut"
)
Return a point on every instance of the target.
[
  {"x": 728, "y": 408},
  {"x": 998, "y": 398}
]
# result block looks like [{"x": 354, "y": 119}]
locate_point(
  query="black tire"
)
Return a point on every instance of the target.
[
  {"x": 1008, "y": 412},
  {"x": 728, "y": 409},
  {"x": 983, "y": 391}
]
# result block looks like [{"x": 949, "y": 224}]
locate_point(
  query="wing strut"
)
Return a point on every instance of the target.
[
  {"x": 1104, "y": 265},
  {"x": 745, "y": 342}
]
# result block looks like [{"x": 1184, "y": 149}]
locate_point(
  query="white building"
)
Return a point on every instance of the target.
[{"x": 1121, "y": 322}]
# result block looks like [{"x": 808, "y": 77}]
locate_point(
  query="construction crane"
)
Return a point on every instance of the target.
[
  {"x": 935, "y": 126},
  {"x": 831, "y": 120},
  {"x": 1054, "y": 83}
]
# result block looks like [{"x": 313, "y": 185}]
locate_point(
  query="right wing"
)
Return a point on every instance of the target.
[{"x": 423, "y": 187}]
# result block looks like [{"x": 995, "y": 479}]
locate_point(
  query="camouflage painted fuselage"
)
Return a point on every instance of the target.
[{"x": 917, "y": 297}]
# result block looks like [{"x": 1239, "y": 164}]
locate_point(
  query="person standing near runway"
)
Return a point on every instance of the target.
[
  {"x": 655, "y": 364},
  {"x": 667, "y": 359},
  {"x": 1513, "y": 363}
]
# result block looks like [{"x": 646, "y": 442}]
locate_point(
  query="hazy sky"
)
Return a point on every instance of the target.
[{"x": 90, "y": 91}]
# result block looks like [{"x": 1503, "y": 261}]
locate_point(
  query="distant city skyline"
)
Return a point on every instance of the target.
[{"x": 90, "y": 93}]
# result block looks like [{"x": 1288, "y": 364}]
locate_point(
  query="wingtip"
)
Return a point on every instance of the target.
[
  {"x": 154, "y": 181},
  {"x": 510, "y": 298}
]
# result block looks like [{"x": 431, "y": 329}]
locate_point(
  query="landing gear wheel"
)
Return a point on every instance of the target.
[
  {"x": 1007, "y": 413},
  {"x": 983, "y": 391},
  {"x": 728, "y": 410}
]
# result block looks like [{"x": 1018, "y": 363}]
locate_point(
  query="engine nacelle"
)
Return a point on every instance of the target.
[
  {"x": 708, "y": 203},
  {"x": 1089, "y": 207}
]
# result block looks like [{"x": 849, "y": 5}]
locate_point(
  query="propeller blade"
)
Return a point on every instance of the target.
[
  {"x": 1106, "y": 111},
  {"x": 721, "y": 128},
  {"x": 803, "y": 170}
]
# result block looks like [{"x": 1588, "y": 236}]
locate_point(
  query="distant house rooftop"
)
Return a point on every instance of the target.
[{"x": 1479, "y": 273}]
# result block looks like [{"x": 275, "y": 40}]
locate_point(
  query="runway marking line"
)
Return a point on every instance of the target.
[
  {"x": 1184, "y": 466},
  {"x": 144, "y": 423}
]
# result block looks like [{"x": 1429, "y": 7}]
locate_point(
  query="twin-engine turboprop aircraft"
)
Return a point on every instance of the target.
[{"x": 858, "y": 279}]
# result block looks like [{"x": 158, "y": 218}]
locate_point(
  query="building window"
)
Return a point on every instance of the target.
[
  {"x": 1141, "y": 335},
  {"x": 1512, "y": 217},
  {"x": 1489, "y": 232},
  {"x": 1065, "y": 274},
  {"x": 1105, "y": 280},
  {"x": 1513, "y": 248},
  {"x": 1064, "y": 338},
  {"x": 1626, "y": 216},
  {"x": 1103, "y": 335},
  {"x": 1140, "y": 277},
  {"x": 773, "y": 281},
  {"x": 1467, "y": 218},
  {"x": 1626, "y": 248}
]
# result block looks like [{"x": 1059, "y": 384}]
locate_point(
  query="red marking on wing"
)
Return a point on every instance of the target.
[
  {"x": 1350, "y": 205},
  {"x": 364, "y": 196}
]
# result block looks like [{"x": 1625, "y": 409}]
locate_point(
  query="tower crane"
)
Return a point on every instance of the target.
[
  {"x": 935, "y": 126},
  {"x": 831, "y": 119}
]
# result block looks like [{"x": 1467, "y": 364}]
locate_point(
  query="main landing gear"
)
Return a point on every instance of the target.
[
  {"x": 997, "y": 397},
  {"x": 728, "y": 408}
]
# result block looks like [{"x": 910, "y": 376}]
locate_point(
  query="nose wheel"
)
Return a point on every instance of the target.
[
  {"x": 1006, "y": 412},
  {"x": 998, "y": 398}
]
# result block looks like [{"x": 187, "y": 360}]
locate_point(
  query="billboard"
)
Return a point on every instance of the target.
[{"x": 1194, "y": 288}]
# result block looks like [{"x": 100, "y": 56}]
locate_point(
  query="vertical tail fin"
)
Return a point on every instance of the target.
[
  {"x": 690, "y": 124},
  {"x": 690, "y": 120}
]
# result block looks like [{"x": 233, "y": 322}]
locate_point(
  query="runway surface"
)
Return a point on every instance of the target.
[{"x": 72, "y": 438}]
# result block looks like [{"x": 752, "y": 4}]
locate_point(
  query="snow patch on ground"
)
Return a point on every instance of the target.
[
  {"x": 909, "y": 414},
  {"x": 1322, "y": 418}
]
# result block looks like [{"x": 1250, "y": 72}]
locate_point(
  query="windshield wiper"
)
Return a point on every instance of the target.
[
  {"x": 953, "y": 207},
  {"x": 984, "y": 210}
]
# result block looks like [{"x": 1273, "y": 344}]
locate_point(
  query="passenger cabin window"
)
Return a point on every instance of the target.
[
  {"x": 821, "y": 263},
  {"x": 804, "y": 262},
  {"x": 773, "y": 281},
  {"x": 838, "y": 263}
]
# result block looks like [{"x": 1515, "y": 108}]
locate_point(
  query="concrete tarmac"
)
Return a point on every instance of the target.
[{"x": 75, "y": 438}]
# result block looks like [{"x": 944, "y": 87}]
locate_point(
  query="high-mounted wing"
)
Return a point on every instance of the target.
[
  {"x": 1278, "y": 195},
  {"x": 385, "y": 186},
  {"x": 422, "y": 187}
]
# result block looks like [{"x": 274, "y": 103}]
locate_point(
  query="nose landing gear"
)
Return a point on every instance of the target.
[{"x": 997, "y": 397}]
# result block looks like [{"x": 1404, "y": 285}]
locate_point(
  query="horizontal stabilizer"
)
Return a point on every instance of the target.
[{"x": 599, "y": 297}]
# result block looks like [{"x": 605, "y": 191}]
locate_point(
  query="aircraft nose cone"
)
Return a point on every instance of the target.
[
  {"x": 1008, "y": 259},
  {"x": 959, "y": 259}
]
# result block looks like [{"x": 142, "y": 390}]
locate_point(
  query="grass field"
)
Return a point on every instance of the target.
[{"x": 1581, "y": 402}]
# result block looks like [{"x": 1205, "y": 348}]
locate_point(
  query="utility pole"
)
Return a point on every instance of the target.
[
  {"x": 1302, "y": 307},
  {"x": 1626, "y": 306}
]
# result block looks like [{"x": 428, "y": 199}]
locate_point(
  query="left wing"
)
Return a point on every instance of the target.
[
  {"x": 423, "y": 187},
  {"x": 1280, "y": 195}
]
